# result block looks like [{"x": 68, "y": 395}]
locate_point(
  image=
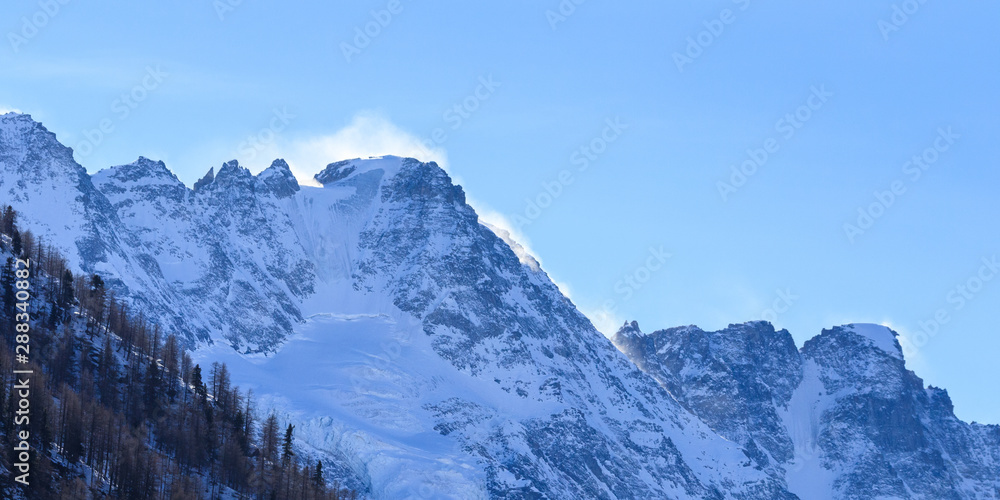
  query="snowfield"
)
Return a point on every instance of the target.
[{"x": 354, "y": 385}]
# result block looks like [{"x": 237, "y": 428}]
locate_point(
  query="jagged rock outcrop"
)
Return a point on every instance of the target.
[{"x": 842, "y": 417}]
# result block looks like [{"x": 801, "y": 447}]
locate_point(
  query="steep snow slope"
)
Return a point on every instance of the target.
[{"x": 355, "y": 385}]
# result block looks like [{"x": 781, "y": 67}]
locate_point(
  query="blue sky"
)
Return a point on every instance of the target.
[{"x": 605, "y": 134}]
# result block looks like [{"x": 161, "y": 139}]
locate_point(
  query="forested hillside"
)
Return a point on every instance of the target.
[{"x": 115, "y": 407}]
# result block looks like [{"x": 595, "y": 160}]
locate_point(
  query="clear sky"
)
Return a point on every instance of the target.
[{"x": 606, "y": 134}]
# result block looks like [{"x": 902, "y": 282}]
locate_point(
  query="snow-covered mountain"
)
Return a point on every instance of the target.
[
  {"x": 406, "y": 339},
  {"x": 424, "y": 355},
  {"x": 840, "y": 418}
]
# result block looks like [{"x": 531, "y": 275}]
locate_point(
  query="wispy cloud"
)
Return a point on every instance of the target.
[
  {"x": 122, "y": 74},
  {"x": 91, "y": 73},
  {"x": 605, "y": 320},
  {"x": 911, "y": 353},
  {"x": 369, "y": 133},
  {"x": 495, "y": 219}
]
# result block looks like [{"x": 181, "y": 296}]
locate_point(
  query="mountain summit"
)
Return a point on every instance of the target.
[{"x": 415, "y": 349}]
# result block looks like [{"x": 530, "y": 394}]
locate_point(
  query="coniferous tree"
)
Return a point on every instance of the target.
[
  {"x": 7, "y": 290},
  {"x": 152, "y": 389},
  {"x": 318, "y": 476},
  {"x": 8, "y": 221},
  {"x": 27, "y": 242},
  {"x": 64, "y": 362},
  {"x": 269, "y": 439},
  {"x": 198, "y": 385},
  {"x": 286, "y": 446},
  {"x": 72, "y": 489},
  {"x": 94, "y": 304},
  {"x": 171, "y": 374},
  {"x": 16, "y": 243},
  {"x": 66, "y": 292},
  {"x": 107, "y": 376},
  {"x": 186, "y": 368},
  {"x": 71, "y": 425},
  {"x": 40, "y": 252},
  {"x": 7, "y": 281}
]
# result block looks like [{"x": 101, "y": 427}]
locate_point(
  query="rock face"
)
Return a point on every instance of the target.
[
  {"x": 422, "y": 354},
  {"x": 410, "y": 343},
  {"x": 221, "y": 256},
  {"x": 840, "y": 418}
]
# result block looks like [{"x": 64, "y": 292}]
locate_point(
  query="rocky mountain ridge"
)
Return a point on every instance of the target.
[
  {"x": 841, "y": 417},
  {"x": 419, "y": 350}
]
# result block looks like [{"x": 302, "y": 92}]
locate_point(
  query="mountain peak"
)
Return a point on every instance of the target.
[
  {"x": 232, "y": 167},
  {"x": 232, "y": 173},
  {"x": 279, "y": 164},
  {"x": 18, "y": 117},
  {"x": 206, "y": 180},
  {"x": 337, "y": 171},
  {"x": 21, "y": 123},
  {"x": 754, "y": 324},
  {"x": 279, "y": 179},
  {"x": 881, "y": 337},
  {"x": 13, "y": 116},
  {"x": 141, "y": 170},
  {"x": 142, "y": 160},
  {"x": 23, "y": 139},
  {"x": 630, "y": 329}
]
